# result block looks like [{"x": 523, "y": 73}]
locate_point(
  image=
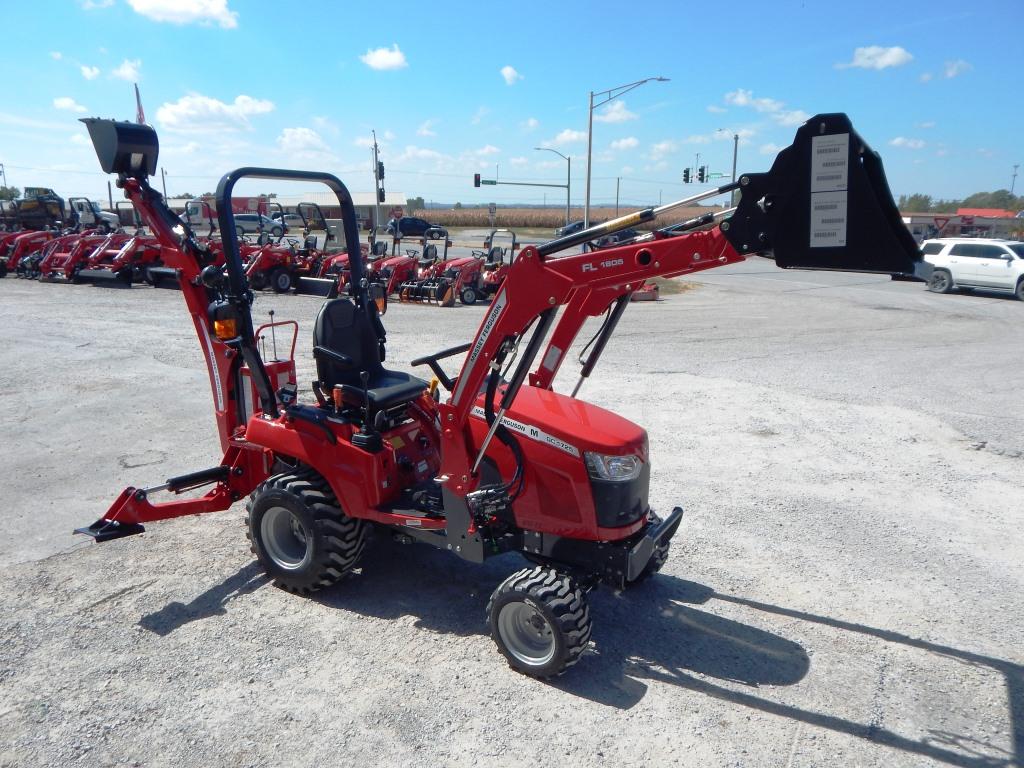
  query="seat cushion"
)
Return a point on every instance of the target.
[{"x": 387, "y": 389}]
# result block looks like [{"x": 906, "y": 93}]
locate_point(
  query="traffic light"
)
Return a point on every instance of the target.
[
  {"x": 476, "y": 179},
  {"x": 686, "y": 175},
  {"x": 380, "y": 171},
  {"x": 702, "y": 174},
  {"x": 380, "y": 195}
]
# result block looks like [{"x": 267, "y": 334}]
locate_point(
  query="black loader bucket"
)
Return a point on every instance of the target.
[
  {"x": 825, "y": 204},
  {"x": 318, "y": 286}
]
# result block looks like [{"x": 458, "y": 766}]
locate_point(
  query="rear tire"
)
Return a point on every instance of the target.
[
  {"x": 540, "y": 621},
  {"x": 299, "y": 533},
  {"x": 940, "y": 282}
]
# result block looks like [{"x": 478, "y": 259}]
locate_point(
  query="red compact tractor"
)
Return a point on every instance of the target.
[
  {"x": 500, "y": 246},
  {"x": 491, "y": 460}
]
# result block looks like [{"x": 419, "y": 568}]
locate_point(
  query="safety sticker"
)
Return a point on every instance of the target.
[
  {"x": 830, "y": 157},
  {"x": 532, "y": 432},
  {"x": 828, "y": 219}
]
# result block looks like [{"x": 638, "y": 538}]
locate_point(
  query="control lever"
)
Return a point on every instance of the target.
[{"x": 367, "y": 437}]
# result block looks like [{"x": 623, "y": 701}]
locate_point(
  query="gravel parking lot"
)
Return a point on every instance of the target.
[{"x": 845, "y": 589}]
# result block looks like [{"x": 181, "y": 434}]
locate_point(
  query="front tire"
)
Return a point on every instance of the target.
[
  {"x": 940, "y": 282},
  {"x": 540, "y": 621},
  {"x": 281, "y": 280},
  {"x": 468, "y": 296},
  {"x": 300, "y": 535},
  {"x": 1019, "y": 293}
]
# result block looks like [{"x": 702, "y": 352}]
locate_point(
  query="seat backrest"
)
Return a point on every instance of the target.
[{"x": 341, "y": 327}]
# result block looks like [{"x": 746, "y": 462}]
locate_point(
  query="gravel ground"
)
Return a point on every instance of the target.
[{"x": 845, "y": 588}]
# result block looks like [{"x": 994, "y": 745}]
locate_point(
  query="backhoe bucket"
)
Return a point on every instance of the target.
[
  {"x": 434, "y": 291},
  {"x": 825, "y": 204}
]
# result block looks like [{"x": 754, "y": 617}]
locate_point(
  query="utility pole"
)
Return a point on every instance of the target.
[
  {"x": 4, "y": 173},
  {"x": 163, "y": 180},
  {"x": 617, "y": 180},
  {"x": 1013, "y": 181},
  {"x": 376, "y": 185},
  {"x": 110, "y": 196}
]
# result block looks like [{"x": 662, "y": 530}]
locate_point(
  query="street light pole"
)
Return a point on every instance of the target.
[
  {"x": 163, "y": 180},
  {"x": 1013, "y": 181},
  {"x": 611, "y": 93},
  {"x": 568, "y": 176}
]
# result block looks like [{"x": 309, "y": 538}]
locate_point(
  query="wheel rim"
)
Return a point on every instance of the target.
[
  {"x": 527, "y": 634},
  {"x": 939, "y": 281},
  {"x": 469, "y": 296},
  {"x": 284, "y": 538},
  {"x": 284, "y": 281}
]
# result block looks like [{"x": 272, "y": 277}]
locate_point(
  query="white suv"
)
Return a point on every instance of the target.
[{"x": 966, "y": 263}]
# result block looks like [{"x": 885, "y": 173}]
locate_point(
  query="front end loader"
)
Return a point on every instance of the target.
[{"x": 491, "y": 460}]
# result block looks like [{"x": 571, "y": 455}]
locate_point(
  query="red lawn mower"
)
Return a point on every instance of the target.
[{"x": 491, "y": 460}]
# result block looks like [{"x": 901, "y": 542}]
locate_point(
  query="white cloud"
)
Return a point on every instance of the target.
[
  {"x": 325, "y": 124},
  {"x": 530, "y": 123},
  {"x": 770, "y": 149},
  {"x": 365, "y": 142},
  {"x": 56, "y": 55},
  {"x": 926, "y": 124},
  {"x": 510, "y": 75},
  {"x": 663, "y": 148},
  {"x": 129, "y": 70},
  {"x": 518, "y": 161},
  {"x": 302, "y": 142},
  {"x": 878, "y": 57},
  {"x": 426, "y": 128},
  {"x": 792, "y": 117},
  {"x": 204, "y": 12},
  {"x": 69, "y": 104},
  {"x": 196, "y": 113},
  {"x": 630, "y": 142},
  {"x": 697, "y": 139},
  {"x": 925, "y": 77},
  {"x": 957, "y": 67},
  {"x": 479, "y": 115},
  {"x": 627, "y": 170},
  {"x": 89, "y": 73},
  {"x": 487, "y": 150},
  {"x": 715, "y": 109},
  {"x": 743, "y": 98},
  {"x": 567, "y": 136},
  {"x": 418, "y": 153},
  {"x": 941, "y": 152},
  {"x": 384, "y": 58},
  {"x": 901, "y": 141},
  {"x": 92, "y": 5},
  {"x": 388, "y": 136},
  {"x": 615, "y": 112},
  {"x": 80, "y": 140}
]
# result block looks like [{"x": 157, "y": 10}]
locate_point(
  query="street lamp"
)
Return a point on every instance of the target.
[
  {"x": 611, "y": 93},
  {"x": 568, "y": 176}
]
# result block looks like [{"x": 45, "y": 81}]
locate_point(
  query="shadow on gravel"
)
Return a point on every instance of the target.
[
  {"x": 652, "y": 632},
  {"x": 211, "y": 603}
]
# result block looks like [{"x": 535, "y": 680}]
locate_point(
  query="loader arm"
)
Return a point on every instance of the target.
[{"x": 824, "y": 204}]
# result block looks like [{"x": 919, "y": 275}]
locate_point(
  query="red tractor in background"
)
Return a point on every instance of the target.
[
  {"x": 497, "y": 261},
  {"x": 491, "y": 460}
]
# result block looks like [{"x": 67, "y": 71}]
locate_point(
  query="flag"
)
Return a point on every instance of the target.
[{"x": 140, "y": 116}]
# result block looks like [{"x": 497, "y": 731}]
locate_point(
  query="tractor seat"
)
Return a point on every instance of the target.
[{"x": 340, "y": 327}]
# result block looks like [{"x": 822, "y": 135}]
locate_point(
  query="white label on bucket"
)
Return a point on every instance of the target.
[
  {"x": 828, "y": 219},
  {"x": 830, "y": 156}
]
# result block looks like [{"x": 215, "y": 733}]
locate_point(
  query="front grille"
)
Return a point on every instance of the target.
[{"x": 618, "y": 504}]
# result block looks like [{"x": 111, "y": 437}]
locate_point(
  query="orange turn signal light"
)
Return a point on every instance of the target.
[{"x": 225, "y": 329}]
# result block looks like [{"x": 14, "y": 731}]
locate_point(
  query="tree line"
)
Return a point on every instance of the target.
[{"x": 1001, "y": 198}]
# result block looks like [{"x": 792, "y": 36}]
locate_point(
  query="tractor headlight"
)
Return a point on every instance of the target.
[{"x": 616, "y": 469}]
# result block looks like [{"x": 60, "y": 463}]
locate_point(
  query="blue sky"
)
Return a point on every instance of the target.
[{"x": 456, "y": 88}]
